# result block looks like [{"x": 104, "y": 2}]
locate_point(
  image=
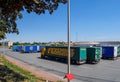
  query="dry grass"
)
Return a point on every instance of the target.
[{"x": 12, "y": 73}]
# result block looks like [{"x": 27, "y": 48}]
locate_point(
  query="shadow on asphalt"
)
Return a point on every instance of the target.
[{"x": 59, "y": 61}]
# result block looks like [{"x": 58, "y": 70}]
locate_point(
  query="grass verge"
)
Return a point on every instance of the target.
[{"x": 13, "y": 73}]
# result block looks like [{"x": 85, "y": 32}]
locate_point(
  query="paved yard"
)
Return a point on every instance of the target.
[{"x": 104, "y": 71}]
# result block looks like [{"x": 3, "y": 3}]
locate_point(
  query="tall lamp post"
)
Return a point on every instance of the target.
[{"x": 68, "y": 12}]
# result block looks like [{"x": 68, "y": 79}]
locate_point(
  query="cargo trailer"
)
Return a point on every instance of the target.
[
  {"x": 14, "y": 48},
  {"x": 78, "y": 54},
  {"x": 17, "y": 48},
  {"x": 34, "y": 48},
  {"x": 40, "y": 48},
  {"x": 118, "y": 51},
  {"x": 26, "y": 49},
  {"x": 109, "y": 52},
  {"x": 93, "y": 54}
]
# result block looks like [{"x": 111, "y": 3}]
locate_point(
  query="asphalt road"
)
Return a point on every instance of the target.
[{"x": 104, "y": 71}]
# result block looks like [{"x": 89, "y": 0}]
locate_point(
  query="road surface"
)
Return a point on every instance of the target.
[{"x": 104, "y": 71}]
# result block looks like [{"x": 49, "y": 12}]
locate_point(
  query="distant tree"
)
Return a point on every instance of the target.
[
  {"x": 35, "y": 43},
  {"x": 42, "y": 43},
  {"x": 26, "y": 43},
  {"x": 10, "y": 11},
  {"x": 16, "y": 43}
]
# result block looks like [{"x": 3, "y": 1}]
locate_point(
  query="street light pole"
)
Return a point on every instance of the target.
[{"x": 68, "y": 12}]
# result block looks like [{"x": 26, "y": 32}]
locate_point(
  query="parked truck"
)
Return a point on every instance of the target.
[{"x": 78, "y": 54}]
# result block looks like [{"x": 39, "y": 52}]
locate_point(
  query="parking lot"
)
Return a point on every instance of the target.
[{"x": 104, "y": 71}]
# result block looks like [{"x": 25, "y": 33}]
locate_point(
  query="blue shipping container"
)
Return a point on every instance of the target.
[
  {"x": 109, "y": 52},
  {"x": 34, "y": 48},
  {"x": 17, "y": 48},
  {"x": 26, "y": 48},
  {"x": 14, "y": 48},
  {"x": 40, "y": 48}
]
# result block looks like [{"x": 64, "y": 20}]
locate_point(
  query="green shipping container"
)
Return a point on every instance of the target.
[
  {"x": 93, "y": 54},
  {"x": 78, "y": 54},
  {"x": 118, "y": 51}
]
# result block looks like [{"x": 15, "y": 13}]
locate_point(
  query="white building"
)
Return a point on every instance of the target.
[{"x": 6, "y": 43}]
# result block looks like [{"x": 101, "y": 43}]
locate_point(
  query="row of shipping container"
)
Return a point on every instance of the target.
[
  {"x": 82, "y": 54},
  {"x": 78, "y": 54},
  {"x": 27, "y": 48}
]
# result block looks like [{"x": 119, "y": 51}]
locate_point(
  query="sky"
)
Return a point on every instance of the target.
[{"x": 91, "y": 20}]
